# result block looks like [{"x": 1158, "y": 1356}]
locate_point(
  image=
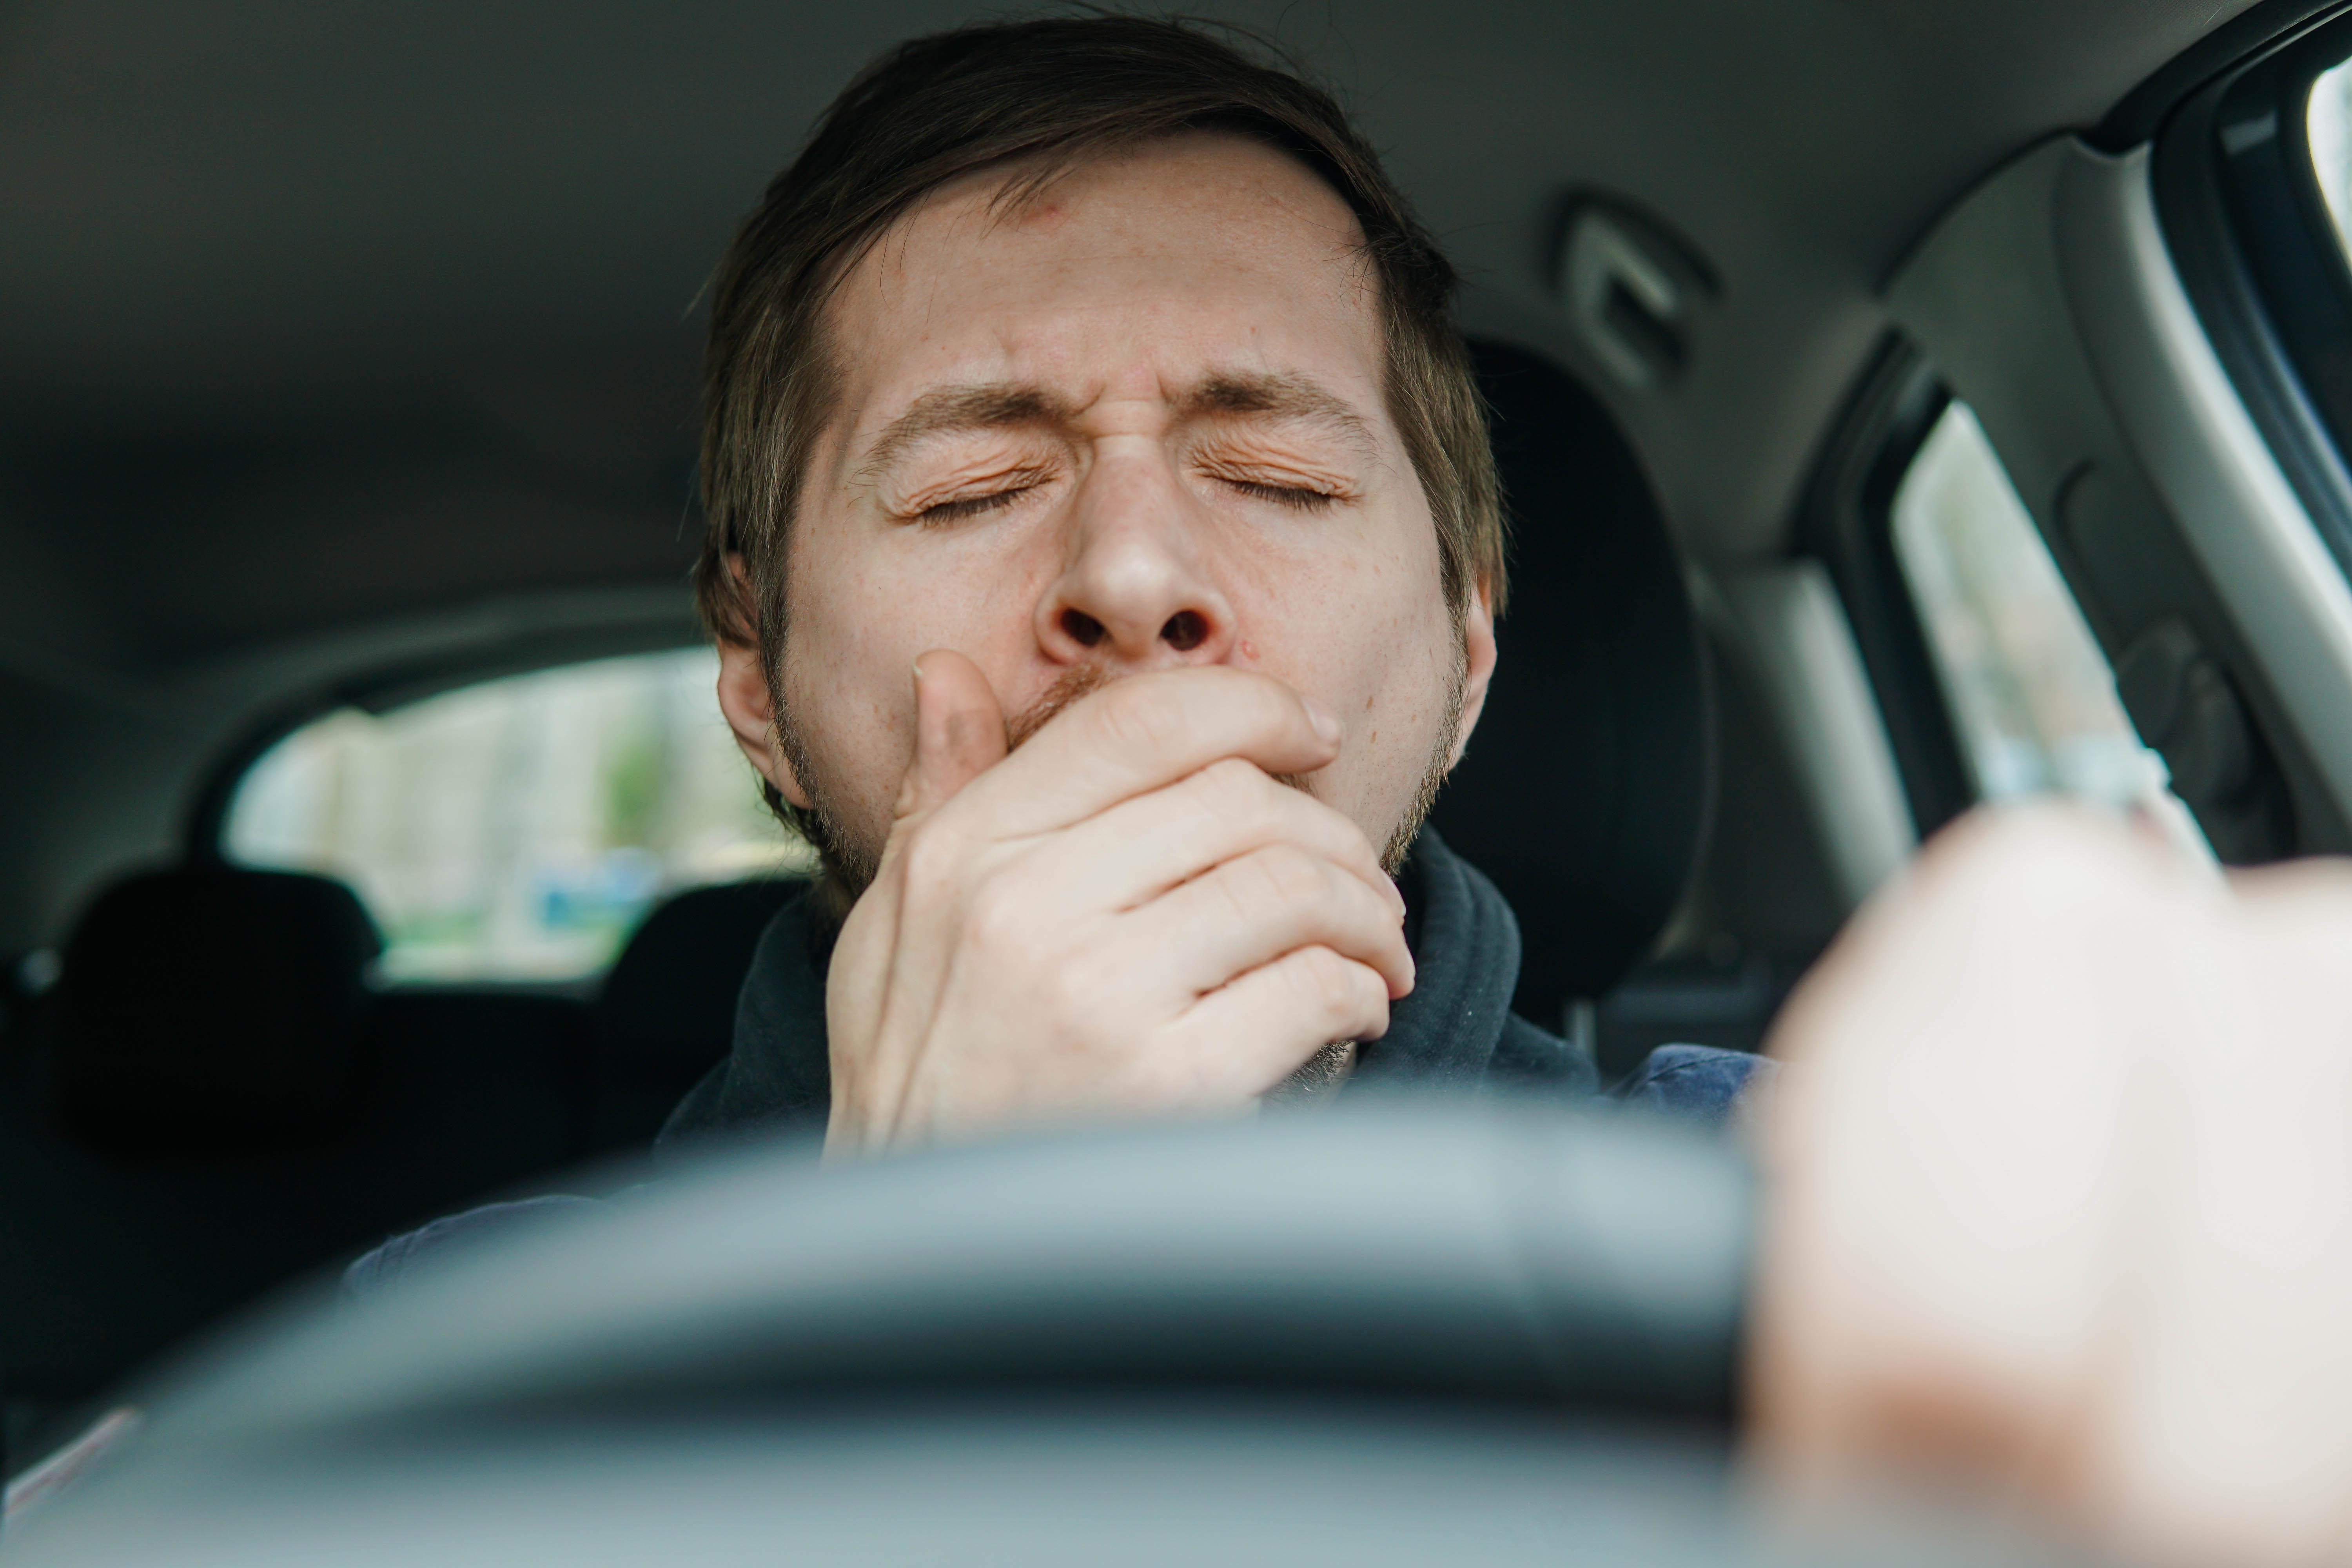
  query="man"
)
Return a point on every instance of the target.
[
  {"x": 1103, "y": 555},
  {"x": 1103, "y": 551}
]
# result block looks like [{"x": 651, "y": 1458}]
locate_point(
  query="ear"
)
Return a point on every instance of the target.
[
  {"x": 751, "y": 715},
  {"x": 1478, "y": 652}
]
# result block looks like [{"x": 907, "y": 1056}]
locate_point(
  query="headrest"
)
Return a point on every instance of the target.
[
  {"x": 1585, "y": 789},
  {"x": 208, "y": 1008},
  {"x": 666, "y": 1013}
]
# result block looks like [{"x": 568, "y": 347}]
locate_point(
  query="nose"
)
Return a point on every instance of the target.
[{"x": 1136, "y": 591}]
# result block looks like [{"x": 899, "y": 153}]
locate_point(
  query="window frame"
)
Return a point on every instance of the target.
[
  {"x": 1846, "y": 520},
  {"x": 2239, "y": 201}
]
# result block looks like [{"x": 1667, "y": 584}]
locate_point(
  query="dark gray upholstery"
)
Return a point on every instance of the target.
[
  {"x": 1585, "y": 790},
  {"x": 213, "y": 1008},
  {"x": 213, "y": 1101},
  {"x": 666, "y": 1013}
]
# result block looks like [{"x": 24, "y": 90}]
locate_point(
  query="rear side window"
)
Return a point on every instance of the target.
[
  {"x": 2028, "y": 690},
  {"x": 518, "y": 829}
]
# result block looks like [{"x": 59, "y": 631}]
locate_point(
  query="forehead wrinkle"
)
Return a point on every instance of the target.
[
  {"x": 1281, "y": 396},
  {"x": 949, "y": 410}
]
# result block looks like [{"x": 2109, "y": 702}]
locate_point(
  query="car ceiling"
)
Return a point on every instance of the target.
[{"x": 317, "y": 313}]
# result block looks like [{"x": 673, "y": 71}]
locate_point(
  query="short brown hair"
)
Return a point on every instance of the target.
[{"x": 1059, "y": 89}]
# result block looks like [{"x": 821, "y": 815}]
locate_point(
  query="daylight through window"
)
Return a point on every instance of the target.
[
  {"x": 2329, "y": 123},
  {"x": 2029, "y": 691},
  {"x": 518, "y": 829}
]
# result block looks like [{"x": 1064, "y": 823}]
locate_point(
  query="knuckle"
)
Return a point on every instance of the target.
[
  {"x": 1067, "y": 994},
  {"x": 1370, "y": 905},
  {"x": 932, "y": 860},
  {"x": 1365, "y": 1011},
  {"x": 1254, "y": 881},
  {"x": 1325, "y": 979},
  {"x": 996, "y": 918},
  {"x": 1290, "y": 874},
  {"x": 1174, "y": 1078},
  {"x": 1242, "y": 886},
  {"x": 1338, "y": 996},
  {"x": 1230, "y": 790}
]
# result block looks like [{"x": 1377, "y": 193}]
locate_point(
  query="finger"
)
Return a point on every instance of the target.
[
  {"x": 2236, "y": 1309},
  {"x": 1950, "y": 1152},
  {"x": 1144, "y": 733},
  {"x": 958, "y": 732},
  {"x": 1141, "y": 849},
  {"x": 1255, "y": 909},
  {"x": 1242, "y": 1040}
]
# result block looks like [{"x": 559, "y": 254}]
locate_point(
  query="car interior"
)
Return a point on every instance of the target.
[{"x": 1900, "y": 410}]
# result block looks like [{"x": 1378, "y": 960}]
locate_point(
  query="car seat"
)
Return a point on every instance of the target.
[
  {"x": 666, "y": 1015},
  {"x": 212, "y": 1099},
  {"x": 1585, "y": 790},
  {"x": 212, "y": 1009}
]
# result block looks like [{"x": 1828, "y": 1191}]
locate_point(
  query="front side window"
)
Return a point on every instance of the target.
[
  {"x": 2328, "y": 123},
  {"x": 517, "y": 829},
  {"x": 2028, "y": 690},
  {"x": 2252, "y": 178}
]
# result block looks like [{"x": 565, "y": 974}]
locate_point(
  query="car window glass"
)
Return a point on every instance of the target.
[
  {"x": 518, "y": 829},
  {"x": 2329, "y": 120},
  {"x": 2029, "y": 691}
]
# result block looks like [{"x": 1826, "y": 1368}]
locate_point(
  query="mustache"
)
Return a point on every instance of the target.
[{"x": 1074, "y": 686}]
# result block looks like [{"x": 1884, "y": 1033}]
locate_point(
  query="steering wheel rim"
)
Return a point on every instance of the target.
[
  {"x": 1483, "y": 1250},
  {"x": 1543, "y": 1267}
]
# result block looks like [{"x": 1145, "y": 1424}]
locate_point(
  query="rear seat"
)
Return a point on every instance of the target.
[
  {"x": 211, "y": 1010},
  {"x": 666, "y": 1013},
  {"x": 212, "y": 1100}
]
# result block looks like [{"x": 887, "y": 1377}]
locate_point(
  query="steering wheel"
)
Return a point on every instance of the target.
[{"x": 1426, "y": 1331}]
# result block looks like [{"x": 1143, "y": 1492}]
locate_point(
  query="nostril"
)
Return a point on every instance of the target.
[
  {"x": 1083, "y": 628},
  {"x": 1185, "y": 631}
]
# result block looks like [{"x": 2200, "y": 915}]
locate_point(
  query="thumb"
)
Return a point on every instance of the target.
[{"x": 958, "y": 732}]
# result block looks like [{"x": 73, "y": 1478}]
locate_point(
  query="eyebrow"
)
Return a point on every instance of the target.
[
  {"x": 1281, "y": 397},
  {"x": 946, "y": 410},
  {"x": 949, "y": 410}
]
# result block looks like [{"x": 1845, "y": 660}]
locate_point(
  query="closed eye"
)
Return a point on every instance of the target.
[
  {"x": 962, "y": 507},
  {"x": 1299, "y": 497}
]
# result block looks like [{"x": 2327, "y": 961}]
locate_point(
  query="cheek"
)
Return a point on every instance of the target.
[
  {"x": 844, "y": 675},
  {"x": 863, "y": 605},
  {"x": 1372, "y": 640},
  {"x": 1405, "y": 708}
]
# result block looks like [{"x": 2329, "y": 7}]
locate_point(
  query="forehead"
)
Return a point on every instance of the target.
[{"x": 1167, "y": 265}]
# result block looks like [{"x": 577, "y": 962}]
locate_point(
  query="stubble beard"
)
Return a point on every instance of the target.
[{"x": 851, "y": 862}]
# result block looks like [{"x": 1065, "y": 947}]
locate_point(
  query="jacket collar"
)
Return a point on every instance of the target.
[{"x": 1466, "y": 952}]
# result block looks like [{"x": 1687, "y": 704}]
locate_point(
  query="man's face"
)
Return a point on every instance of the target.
[{"x": 1134, "y": 422}]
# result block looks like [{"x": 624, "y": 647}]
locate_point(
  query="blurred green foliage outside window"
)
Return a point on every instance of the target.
[{"x": 520, "y": 829}]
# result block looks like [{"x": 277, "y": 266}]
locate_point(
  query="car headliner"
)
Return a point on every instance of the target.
[{"x": 313, "y": 312}]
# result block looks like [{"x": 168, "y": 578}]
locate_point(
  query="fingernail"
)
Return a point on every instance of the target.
[{"x": 1321, "y": 717}]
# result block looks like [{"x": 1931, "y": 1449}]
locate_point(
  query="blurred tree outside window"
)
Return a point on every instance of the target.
[
  {"x": 2029, "y": 691},
  {"x": 520, "y": 829}
]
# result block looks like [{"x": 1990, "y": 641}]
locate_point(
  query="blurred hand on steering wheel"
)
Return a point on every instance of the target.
[{"x": 2062, "y": 1173}]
